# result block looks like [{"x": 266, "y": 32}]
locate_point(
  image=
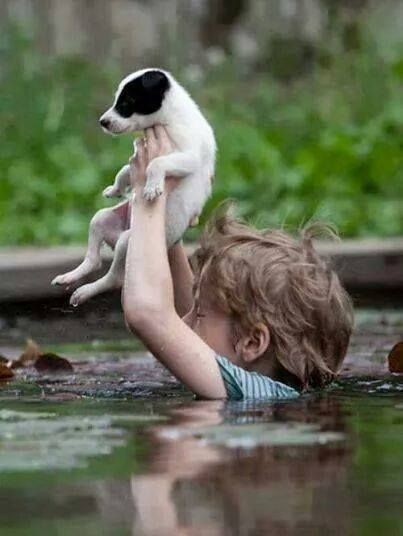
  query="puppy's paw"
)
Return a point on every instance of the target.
[
  {"x": 111, "y": 191},
  {"x": 80, "y": 296},
  {"x": 152, "y": 190}
]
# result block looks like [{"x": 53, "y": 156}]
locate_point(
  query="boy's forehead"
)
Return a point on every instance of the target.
[{"x": 205, "y": 295}]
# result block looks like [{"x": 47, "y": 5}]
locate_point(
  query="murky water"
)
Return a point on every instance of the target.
[{"x": 120, "y": 448}]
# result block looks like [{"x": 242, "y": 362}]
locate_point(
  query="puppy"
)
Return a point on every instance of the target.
[{"x": 144, "y": 99}]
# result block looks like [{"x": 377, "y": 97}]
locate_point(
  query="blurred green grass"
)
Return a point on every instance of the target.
[{"x": 326, "y": 146}]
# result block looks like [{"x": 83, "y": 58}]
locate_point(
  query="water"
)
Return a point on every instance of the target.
[{"x": 120, "y": 448}]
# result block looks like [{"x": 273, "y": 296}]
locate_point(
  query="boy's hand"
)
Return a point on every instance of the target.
[
  {"x": 138, "y": 164},
  {"x": 155, "y": 143},
  {"x": 159, "y": 144}
]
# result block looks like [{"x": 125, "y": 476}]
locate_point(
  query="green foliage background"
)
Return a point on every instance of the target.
[{"x": 326, "y": 146}]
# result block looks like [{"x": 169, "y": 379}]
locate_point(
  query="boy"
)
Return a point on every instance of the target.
[{"x": 264, "y": 316}]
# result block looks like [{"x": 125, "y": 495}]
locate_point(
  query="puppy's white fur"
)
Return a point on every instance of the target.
[{"x": 193, "y": 160}]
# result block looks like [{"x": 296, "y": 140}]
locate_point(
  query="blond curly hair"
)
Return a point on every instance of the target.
[{"x": 267, "y": 276}]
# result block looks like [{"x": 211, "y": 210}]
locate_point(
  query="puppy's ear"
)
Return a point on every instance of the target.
[{"x": 154, "y": 80}]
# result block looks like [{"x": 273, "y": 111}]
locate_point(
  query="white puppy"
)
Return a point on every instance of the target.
[{"x": 144, "y": 99}]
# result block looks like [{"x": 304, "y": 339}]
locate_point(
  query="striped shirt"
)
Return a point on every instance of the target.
[{"x": 241, "y": 384}]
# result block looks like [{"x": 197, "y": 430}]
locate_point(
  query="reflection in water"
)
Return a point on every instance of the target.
[
  {"x": 326, "y": 464},
  {"x": 195, "y": 487}
]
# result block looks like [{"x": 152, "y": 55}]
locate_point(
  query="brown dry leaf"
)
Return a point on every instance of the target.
[
  {"x": 5, "y": 372},
  {"x": 29, "y": 355},
  {"x": 3, "y": 360},
  {"x": 395, "y": 358},
  {"x": 52, "y": 363}
]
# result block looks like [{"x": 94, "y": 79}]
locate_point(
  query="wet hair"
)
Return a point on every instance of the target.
[{"x": 267, "y": 276}]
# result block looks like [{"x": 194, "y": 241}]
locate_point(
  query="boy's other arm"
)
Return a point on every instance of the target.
[
  {"x": 182, "y": 278},
  {"x": 148, "y": 298}
]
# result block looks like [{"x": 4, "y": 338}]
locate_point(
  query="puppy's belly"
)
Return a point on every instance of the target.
[
  {"x": 185, "y": 203},
  {"x": 177, "y": 218}
]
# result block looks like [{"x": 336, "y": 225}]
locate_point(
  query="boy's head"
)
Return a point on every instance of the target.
[{"x": 270, "y": 303}]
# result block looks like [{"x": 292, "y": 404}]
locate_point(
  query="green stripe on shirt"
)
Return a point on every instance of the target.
[{"x": 241, "y": 384}]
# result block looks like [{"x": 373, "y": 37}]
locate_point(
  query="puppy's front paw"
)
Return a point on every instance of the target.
[
  {"x": 152, "y": 190},
  {"x": 111, "y": 191}
]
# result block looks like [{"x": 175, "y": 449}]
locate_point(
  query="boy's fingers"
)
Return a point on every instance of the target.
[
  {"x": 134, "y": 156},
  {"x": 141, "y": 153},
  {"x": 152, "y": 143},
  {"x": 159, "y": 132},
  {"x": 164, "y": 141},
  {"x": 158, "y": 142},
  {"x": 134, "y": 160}
]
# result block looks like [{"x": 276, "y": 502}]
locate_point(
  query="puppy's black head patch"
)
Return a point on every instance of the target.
[{"x": 143, "y": 95}]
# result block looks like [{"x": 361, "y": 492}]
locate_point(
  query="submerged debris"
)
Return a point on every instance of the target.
[
  {"x": 33, "y": 356},
  {"x": 52, "y": 363},
  {"x": 395, "y": 358},
  {"x": 5, "y": 372},
  {"x": 29, "y": 355}
]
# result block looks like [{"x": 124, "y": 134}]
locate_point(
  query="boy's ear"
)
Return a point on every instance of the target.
[{"x": 251, "y": 346}]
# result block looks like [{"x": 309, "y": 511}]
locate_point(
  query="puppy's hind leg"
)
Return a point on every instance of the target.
[
  {"x": 113, "y": 279},
  {"x": 106, "y": 226}
]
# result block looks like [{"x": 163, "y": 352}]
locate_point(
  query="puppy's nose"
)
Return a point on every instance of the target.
[{"x": 104, "y": 122}]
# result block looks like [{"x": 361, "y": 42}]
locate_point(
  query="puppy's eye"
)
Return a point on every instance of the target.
[
  {"x": 128, "y": 100},
  {"x": 125, "y": 106},
  {"x": 125, "y": 103}
]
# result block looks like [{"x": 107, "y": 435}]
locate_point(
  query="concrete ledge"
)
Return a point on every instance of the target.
[
  {"x": 373, "y": 263},
  {"x": 26, "y": 273}
]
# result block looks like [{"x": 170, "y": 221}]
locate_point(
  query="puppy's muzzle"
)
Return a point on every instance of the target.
[{"x": 105, "y": 123}]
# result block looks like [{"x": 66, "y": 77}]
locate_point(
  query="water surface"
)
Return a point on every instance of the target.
[{"x": 120, "y": 448}]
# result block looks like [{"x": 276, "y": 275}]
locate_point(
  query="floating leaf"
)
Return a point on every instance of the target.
[
  {"x": 52, "y": 363},
  {"x": 5, "y": 372},
  {"x": 46, "y": 441},
  {"x": 12, "y": 415},
  {"x": 29, "y": 356},
  {"x": 395, "y": 358},
  {"x": 275, "y": 434}
]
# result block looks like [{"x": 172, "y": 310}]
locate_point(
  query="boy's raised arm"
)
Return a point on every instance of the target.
[{"x": 148, "y": 296}]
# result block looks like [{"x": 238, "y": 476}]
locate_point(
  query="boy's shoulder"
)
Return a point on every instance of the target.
[{"x": 241, "y": 384}]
